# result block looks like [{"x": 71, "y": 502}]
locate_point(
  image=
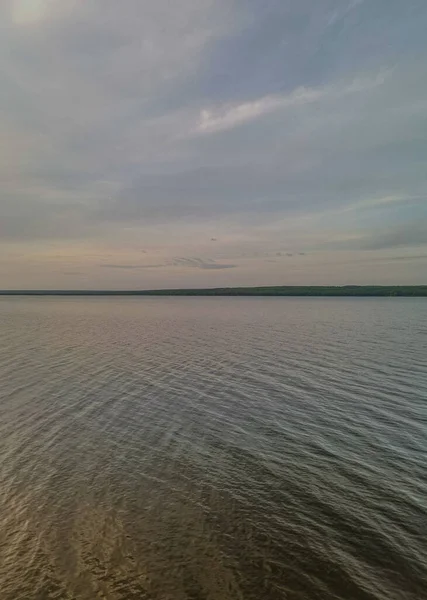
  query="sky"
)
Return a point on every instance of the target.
[{"x": 201, "y": 143}]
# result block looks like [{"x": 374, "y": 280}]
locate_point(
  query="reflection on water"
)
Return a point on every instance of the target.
[{"x": 213, "y": 448}]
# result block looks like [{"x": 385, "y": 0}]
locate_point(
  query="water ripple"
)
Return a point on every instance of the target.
[{"x": 213, "y": 448}]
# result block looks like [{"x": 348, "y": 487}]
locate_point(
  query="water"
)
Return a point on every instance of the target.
[{"x": 213, "y": 448}]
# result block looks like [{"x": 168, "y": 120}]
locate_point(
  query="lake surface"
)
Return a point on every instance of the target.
[{"x": 213, "y": 448}]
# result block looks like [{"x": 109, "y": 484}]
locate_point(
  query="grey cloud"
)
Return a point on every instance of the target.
[
  {"x": 370, "y": 258},
  {"x": 235, "y": 174},
  {"x": 199, "y": 263},
  {"x": 200, "y": 193},
  {"x": 118, "y": 266},
  {"x": 26, "y": 216},
  {"x": 217, "y": 266},
  {"x": 289, "y": 43},
  {"x": 242, "y": 117},
  {"x": 404, "y": 258},
  {"x": 226, "y": 178},
  {"x": 408, "y": 234}
]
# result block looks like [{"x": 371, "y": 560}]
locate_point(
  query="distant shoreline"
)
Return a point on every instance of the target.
[{"x": 316, "y": 291}]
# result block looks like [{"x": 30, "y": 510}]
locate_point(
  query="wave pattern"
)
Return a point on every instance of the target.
[{"x": 213, "y": 448}]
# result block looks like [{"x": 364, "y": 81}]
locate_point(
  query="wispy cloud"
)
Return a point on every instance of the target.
[
  {"x": 343, "y": 11},
  {"x": 225, "y": 117},
  {"x": 130, "y": 267},
  {"x": 413, "y": 233},
  {"x": 408, "y": 234},
  {"x": 199, "y": 263},
  {"x": 404, "y": 258},
  {"x": 222, "y": 118},
  {"x": 382, "y": 202}
]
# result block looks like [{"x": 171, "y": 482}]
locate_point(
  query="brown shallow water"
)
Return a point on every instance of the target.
[{"x": 213, "y": 448}]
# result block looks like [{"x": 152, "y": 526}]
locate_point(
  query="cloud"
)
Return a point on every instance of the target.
[
  {"x": 409, "y": 234},
  {"x": 405, "y": 258},
  {"x": 382, "y": 201},
  {"x": 287, "y": 124},
  {"x": 343, "y": 11},
  {"x": 199, "y": 263},
  {"x": 413, "y": 233},
  {"x": 227, "y": 117},
  {"x": 27, "y": 12},
  {"x": 118, "y": 266},
  {"x": 220, "y": 119},
  {"x": 217, "y": 266}
]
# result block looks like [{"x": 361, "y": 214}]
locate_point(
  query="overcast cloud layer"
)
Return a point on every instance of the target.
[{"x": 149, "y": 143}]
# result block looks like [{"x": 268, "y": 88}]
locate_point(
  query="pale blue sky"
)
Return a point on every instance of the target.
[{"x": 149, "y": 143}]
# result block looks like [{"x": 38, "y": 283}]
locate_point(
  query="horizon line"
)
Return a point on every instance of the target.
[{"x": 271, "y": 290}]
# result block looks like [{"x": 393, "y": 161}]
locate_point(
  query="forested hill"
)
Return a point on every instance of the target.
[{"x": 347, "y": 290}]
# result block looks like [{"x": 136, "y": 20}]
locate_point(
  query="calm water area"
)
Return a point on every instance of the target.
[{"x": 213, "y": 448}]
